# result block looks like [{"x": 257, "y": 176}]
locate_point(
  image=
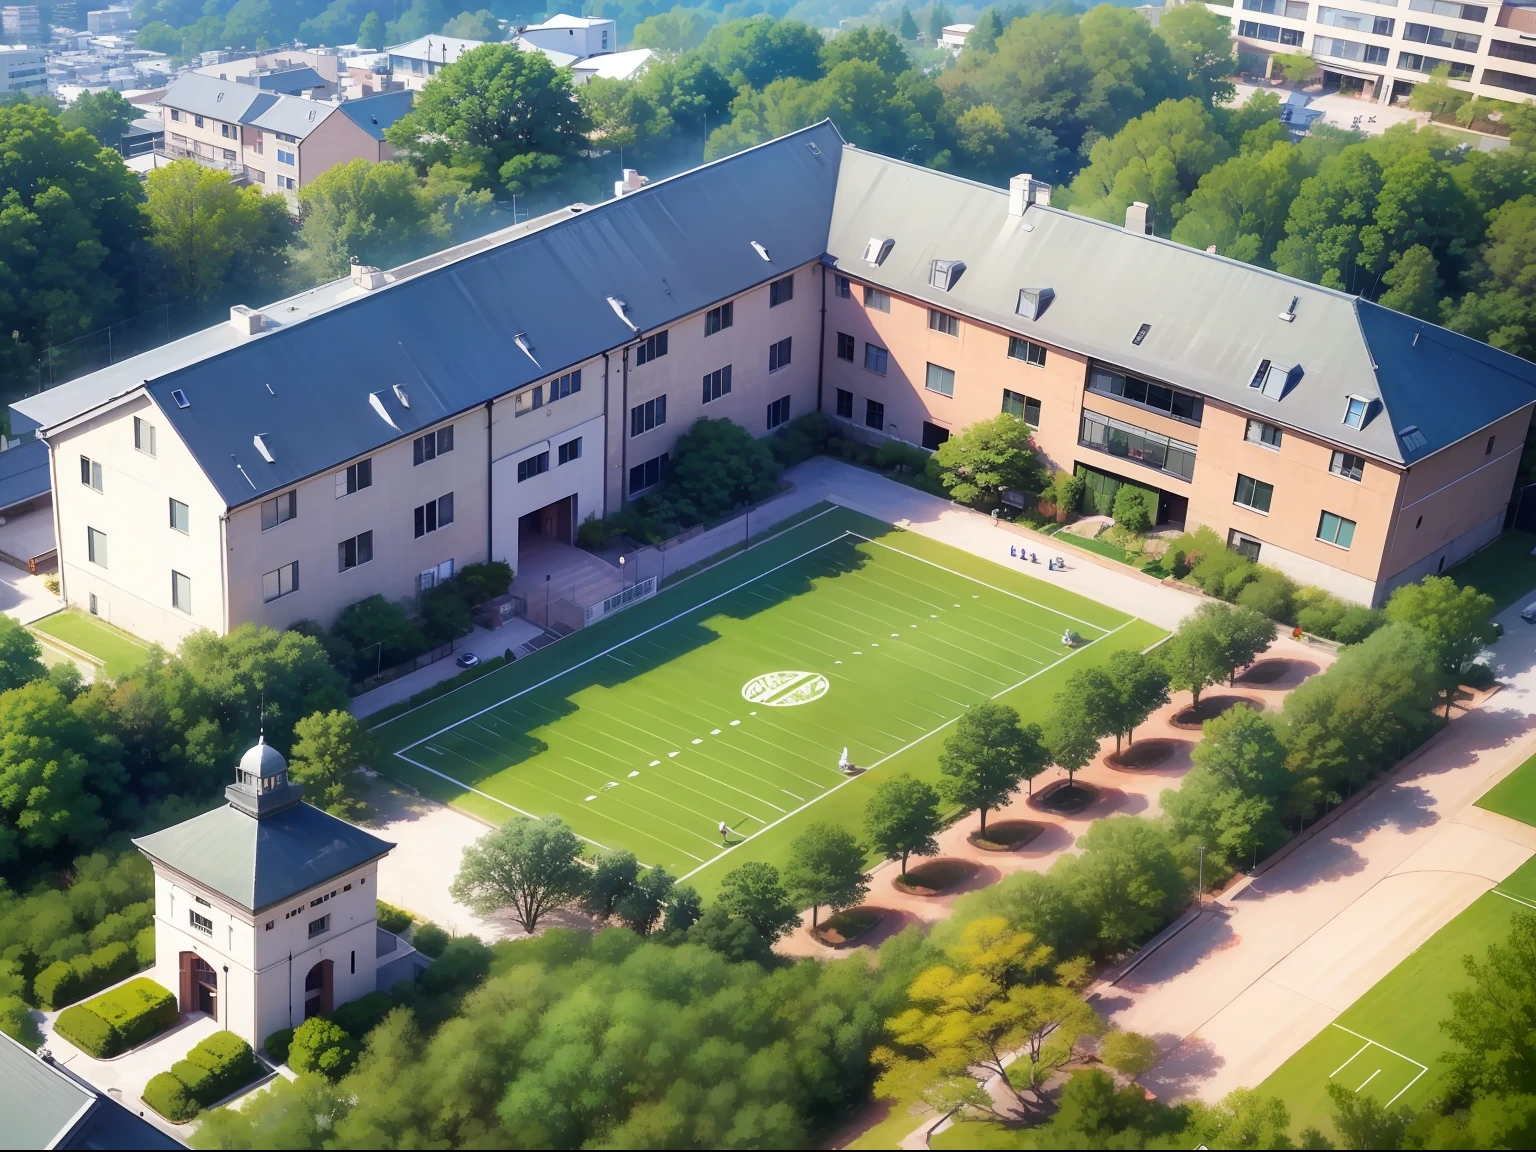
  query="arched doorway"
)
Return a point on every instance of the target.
[
  {"x": 199, "y": 985},
  {"x": 317, "y": 990}
]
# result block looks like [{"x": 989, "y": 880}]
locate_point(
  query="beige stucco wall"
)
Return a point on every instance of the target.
[
  {"x": 213, "y": 143},
  {"x": 387, "y": 508},
  {"x": 133, "y": 590},
  {"x": 335, "y": 141}
]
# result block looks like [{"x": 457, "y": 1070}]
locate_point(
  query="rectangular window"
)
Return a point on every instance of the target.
[
  {"x": 570, "y": 450},
  {"x": 181, "y": 517},
  {"x": 1354, "y": 412},
  {"x": 432, "y": 445},
  {"x": 96, "y": 547},
  {"x": 778, "y": 355},
  {"x": 1181, "y": 405},
  {"x": 286, "y": 157},
  {"x": 943, "y": 322},
  {"x": 1027, "y": 351},
  {"x": 874, "y": 415},
  {"x": 1473, "y": 12},
  {"x": 1336, "y": 530},
  {"x": 279, "y": 510},
  {"x": 1349, "y": 50},
  {"x": 718, "y": 319},
  {"x": 435, "y": 514},
  {"x": 1513, "y": 81},
  {"x": 175, "y": 114},
  {"x": 1488, "y": 448},
  {"x": 1356, "y": 21},
  {"x": 526, "y": 470},
  {"x": 1416, "y": 62},
  {"x": 562, "y": 386},
  {"x": 877, "y": 300},
  {"x": 875, "y": 359},
  {"x": 200, "y": 922},
  {"x": 717, "y": 384},
  {"x": 781, "y": 291},
  {"x": 843, "y": 287},
  {"x": 357, "y": 550},
  {"x": 1025, "y": 408},
  {"x": 280, "y": 582},
  {"x": 354, "y": 478},
  {"x": 319, "y": 927},
  {"x": 644, "y": 417},
  {"x": 1129, "y": 442},
  {"x": 181, "y": 592},
  {"x": 845, "y": 404},
  {"x": 650, "y": 348},
  {"x": 1244, "y": 545},
  {"x": 198, "y": 120},
  {"x": 1259, "y": 432},
  {"x": 90, "y": 473},
  {"x": 648, "y": 474},
  {"x": 845, "y": 346},
  {"x": 1508, "y": 50},
  {"x": 778, "y": 412},
  {"x": 1253, "y": 493},
  {"x": 144, "y": 436},
  {"x": 934, "y": 436},
  {"x": 940, "y": 380},
  {"x": 1273, "y": 33},
  {"x": 1347, "y": 465}
]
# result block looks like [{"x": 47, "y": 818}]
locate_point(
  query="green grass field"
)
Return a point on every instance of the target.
[
  {"x": 731, "y": 695},
  {"x": 119, "y": 652},
  {"x": 1388, "y": 1043},
  {"x": 1515, "y": 795}
]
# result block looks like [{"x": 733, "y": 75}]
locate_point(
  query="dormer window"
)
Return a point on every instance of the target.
[
  {"x": 878, "y": 248},
  {"x": 1271, "y": 379},
  {"x": 1355, "y": 412},
  {"x": 945, "y": 274}
]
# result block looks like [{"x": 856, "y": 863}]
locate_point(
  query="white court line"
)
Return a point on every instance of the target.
[
  {"x": 1348, "y": 1062},
  {"x": 898, "y": 752},
  {"x": 1383, "y": 1047},
  {"x": 1423, "y": 1068},
  {"x": 1516, "y": 899},
  {"x": 684, "y": 580},
  {"x": 1368, "y": 1079},
  {"x": 1407, "y": 1086}
]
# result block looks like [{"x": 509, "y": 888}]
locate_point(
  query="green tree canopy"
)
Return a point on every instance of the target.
[
  {"x": 826, "y": 867},
  {"x": 1457, "y": 622},
  {"x": 674, "y": 31},
  {"x": 977, "y": 465},
  {"x": 987, "y": 756},
  {"x": 612, "y": 879},
  {"x": 206, "y": 228},
  {"x": 376, "y": 214},
  {"x": 1195, "y": 656},
  {"x": 21, "y": 657},
  {"x": 1502, "y": 308},
  {"x": 759, "y": 51},
  {"x": 480, "y": 25},
  {"x": 1125, "y": 879},
  {"x": 902, "y": 817},
  {"x": 753, "y": 893},
  {"x": 1141, "y": 687},
  {"x": 370, "y": 33},
  {"x": 105, "y": 115},
  {"x": 1201, "y": 49},
  {"x": 533, "y": 866},
  {"x": 906, "y": 27},
  {"x": 328, "y": 749},
  {"x": 717, "y": 466},
  {"x": 870, "y": 43}
]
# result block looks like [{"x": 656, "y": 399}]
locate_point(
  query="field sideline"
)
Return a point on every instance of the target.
[{"x": 730, "y": 696}]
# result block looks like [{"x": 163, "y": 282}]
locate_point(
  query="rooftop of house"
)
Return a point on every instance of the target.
[
  {"x": 439, "y": 48},
  {"x": 614, "y": 65},
  {"x": 296, "y": 116},
  {"x": 339, "y": 372},
  {"x": 43, "y": 1105}
]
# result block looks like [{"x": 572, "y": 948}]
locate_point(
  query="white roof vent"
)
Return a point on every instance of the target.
[
  {"x": 761, "y": 251},
  {"x": 402, "y": 395},
  {"x": 246, "y": 321},
  {"x": 366, "y": 276},
  {"x": 1289, "y": 314},
  {"x": 1033, "y": 302},
  {"x": 946, "y": 274},
  {"x": 878, "y": 248},
  {"x": 261, "y": 446},
  {"x": 521, "y": 340},
  {"x": 621, "y": 310},
  {"x": 377, "y": 404}
]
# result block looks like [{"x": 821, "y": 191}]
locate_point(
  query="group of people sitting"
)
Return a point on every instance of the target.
[{"x": 1053, "y": 564}]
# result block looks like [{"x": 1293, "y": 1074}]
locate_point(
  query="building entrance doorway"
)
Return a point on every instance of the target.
[
  {"x": 318, "y": 994},
  {"x": 199, "y": 985},
  {"x": 556, "y": 521}
]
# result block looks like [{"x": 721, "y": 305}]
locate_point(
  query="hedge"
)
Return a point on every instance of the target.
[
  {"x": 277, "y": 1045},
  {"x": 120, "y": 1019},
  {"x": 144, "y": 947},
  {"x": 65, "y": 981},
  {"x": 168, "y": 1096},
  {"x": 359, "y": 1017},
  {"x": 393, "y": 919},
  {"x": 430, "y": 940},
  {"x": 87, "y": 1032},
  {"x": 225, "y": 1062}
]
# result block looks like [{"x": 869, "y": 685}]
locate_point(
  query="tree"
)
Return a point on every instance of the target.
[
  {"x": 1125, "y": 879},
  {"x": 983, "y": 37},
  {"x": 370, "y": 34},
  {"x": 906, "y": 27},
  {"x": 1244, "y": 632},
  {"x": 375, "y": 214},
  {"x": 612, "y": 879},
  {"x": 1141, "y": 687},
  {"x": 1457, "y": 622},
  {"x": 1413, "y": 283},
  {"x": 869, "y": 43},
  {"x": 328, "y": 749},
  {"x": 1241, "y": 205},
  {"x": 938, "y": 17},
  {"x": 1129, "y": 1053},
  {"x": 202, "y": 224},
  {"x": 1490, "y": 1021},
  {"x": 990, "y": 456},
  {"x": 380, "y": 632},
  {"x": 987, "y": 757},
  {"x": 505, "y": 117},
  {"x": 760, "y": 51},
  {"x": 1436, "y": 96},
  {"x": 826, "y": 866},
  {"x": 1083, "y": 712},
  {"x": 1297, "y": 67},
  {"x": 641, "y": 906},
  {"x": 1134, "y": 509},
  {"x": 1245, "y": 1119},
  {"x": 1502, "y": 309},
  {"x": 1200, "y": 47},
  {"x": 902, "y": 817},
  {"x": 1195, "y": 656},
  {"x": 21, "y": 657},
  {"x": 1243, "y": 749},
  {"x": 675, "y": 31},
  {"x": 320, "y": 1045},
  {"x": 684, "y": 908},
  {"x": 753, "y": 893},
  {"x": 105, "y": 115},
  {"x": 1363, "y": 1122},
  {"x": 533, "y": 865},
  {"x": 479, "y": 25},
  {"x": 718, "y": 466}
]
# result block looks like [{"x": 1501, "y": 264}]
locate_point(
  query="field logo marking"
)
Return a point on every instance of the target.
[{"x": 785, "y": 689}]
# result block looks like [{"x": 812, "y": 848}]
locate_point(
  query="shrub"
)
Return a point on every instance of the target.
[
  {"x": 167, "y": 1096},
  {"x": 217, "y": 1067},
  {"x": 1189, "y": 549},
  {"x": 57, "y": 985},
  {"x": 136, "y": 1011},
  {"x": 197, "y": 1080},
  {"x": 1135, "y": 509},
  {"x": 896, "y": 456},
  {"x": 1068, "y": 491},
  {"x": 462, "y": 965},
  {"x": 594, "y": 533},
  {"x": 323, "y": 1046},
  {"x": 803, "y": 437},
  {"x": 144, "y": 947},
  {"x": 484, "y": 581},
  {"x": 359, "y": 1017},
  {"x": 88, "y": 1032},
  {"x": 430, "y": 940},
  {"x": 1477, "y": 675},
  {"x": 1271, "y": 592},
  {"x": 111, "y": 963},
  {"x": 1357, "y": 623},
  {"x": 277, "y": 1045},
  {"x": 17, "y": 1023},
  {"x": 393, "y": 919}
]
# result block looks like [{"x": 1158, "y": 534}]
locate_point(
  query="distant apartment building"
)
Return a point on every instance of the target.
[
  {"x": 285, "y": 62},
  {"x": 577, "y": 37},
  {"x": 374, "y": 435},
  {"x": 23, "y": 70},
  {"x": 277, "y": 141},
  {"x": 109, "y": 21},
  {"x": 417, "y": 61},
  {"x": 586, "y": 45},
  {"x": 952, "y": 36},
  {"x": 1383, "y": 48},
  {"x": 22, "y": 24}
]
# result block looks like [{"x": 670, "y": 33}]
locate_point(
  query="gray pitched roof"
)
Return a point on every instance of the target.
[
  {"x": 290, "y": 80},
  {"x": 373, "y": 114},
  {"x": 209, "y": 96},
  {"x": 1212, "y": 320},
  {"x": 23, "y": 473},
  {"x": 43, "y": 1105},
  {"x": 292, "y": 114},
  {"x": 258, "y": 863}
]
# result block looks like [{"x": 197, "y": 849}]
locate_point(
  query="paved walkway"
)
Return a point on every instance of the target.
[
  {"x": 483, "y": 642},
  {"x": 1232, "y": 997}
]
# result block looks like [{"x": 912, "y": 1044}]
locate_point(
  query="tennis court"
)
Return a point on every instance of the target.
[{"x": 731, "y": 697}]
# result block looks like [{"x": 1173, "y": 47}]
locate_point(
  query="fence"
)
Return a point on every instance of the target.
[
  {"x": 60, "y": 363},
  {"x": 643, "y": 590}
]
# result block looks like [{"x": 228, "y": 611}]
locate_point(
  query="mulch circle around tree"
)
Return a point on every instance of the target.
[
  {"x": 1210, "y": 707},
  {"x": 1265, "y": 672},
  {"x": 1144, "y": 754},
  {"x": 843, "y": 928},
  {"x": 1006, "y": 835},
  {"x": 1066, "y": 797},
  {"x": 934, "y": 877}
]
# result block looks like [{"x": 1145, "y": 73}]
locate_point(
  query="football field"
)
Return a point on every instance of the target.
[{"x": 732, "y": 696}]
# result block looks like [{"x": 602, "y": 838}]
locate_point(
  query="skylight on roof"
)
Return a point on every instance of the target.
[
  {"x": 402, "y": 395},
  {"x": 181, "y": 398},
  {"x": 945, "y": 274},
  {"x": 761, "y": 251},
  {"x": 1141, "y": 334},
  {"x": 878, "y": 248},
  {"x": 1412, "y": 438},
  {"x": 1033, "y": 302},
  {"x": 261, "y": 446},
  {"x": 1271, "y": 379}
]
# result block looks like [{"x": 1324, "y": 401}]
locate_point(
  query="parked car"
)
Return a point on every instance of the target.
[{"x": 467, "y": 660}]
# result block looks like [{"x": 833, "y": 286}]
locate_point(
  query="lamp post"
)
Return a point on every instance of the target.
[
  {"x": 546, "y": 599},
  {"x": 622, "y": 584},
  {"x": 1200, "y": 895}
]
